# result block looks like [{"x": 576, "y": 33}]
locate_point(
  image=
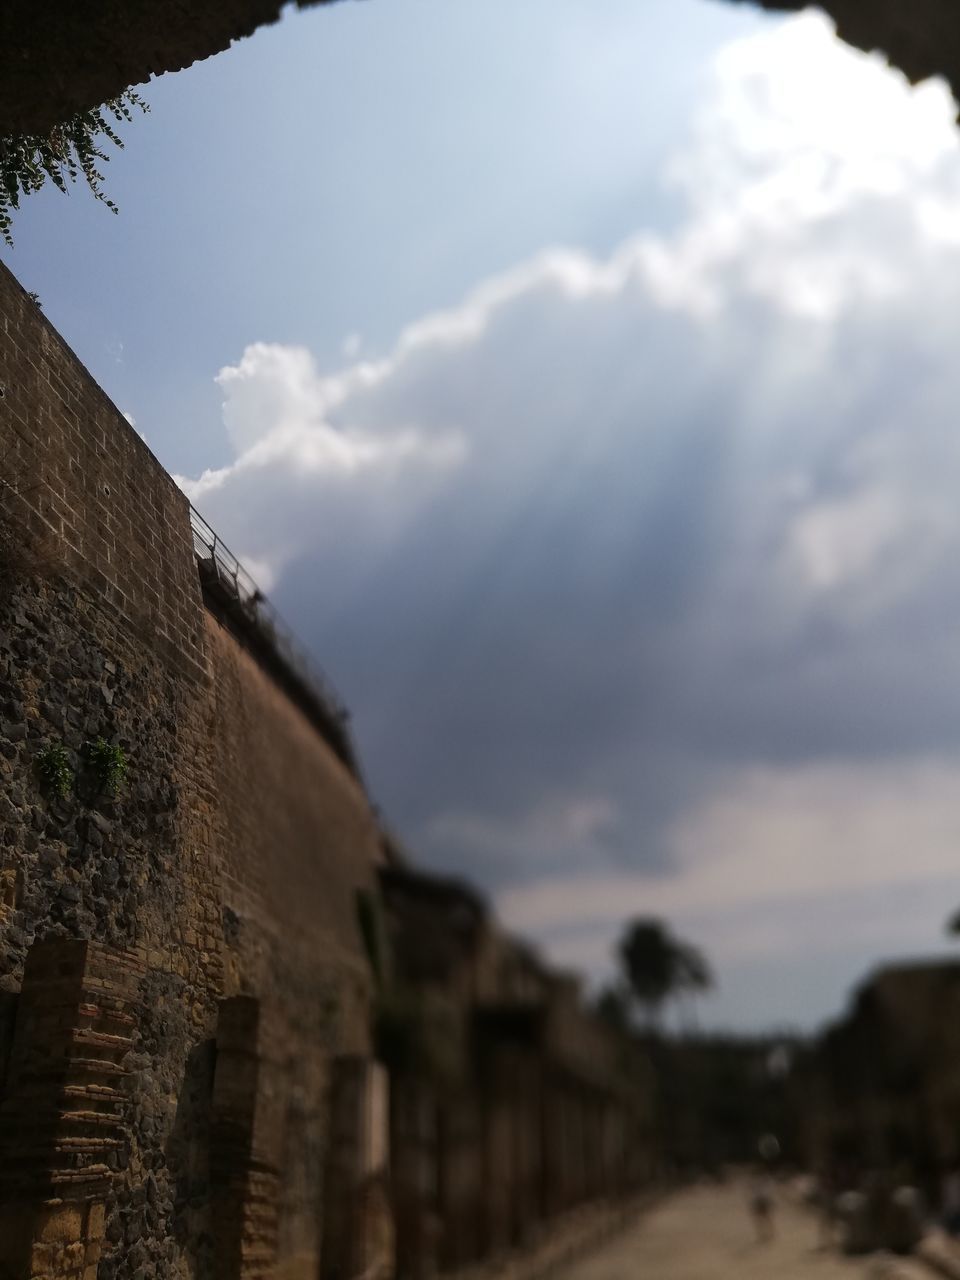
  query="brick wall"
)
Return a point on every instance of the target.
[
  {"x": 300, "y": 839},
  {"x": 91, "y": 489},
  {"x": 228, "y": 864},
  {"x": 298, "y": 843}
]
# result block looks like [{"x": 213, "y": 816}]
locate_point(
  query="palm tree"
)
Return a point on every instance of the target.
[{"x": 658, "y": 966}]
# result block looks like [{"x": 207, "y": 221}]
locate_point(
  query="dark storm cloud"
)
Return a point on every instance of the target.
[
  {"x": 587, "y": 551},
  {"x": 599, "y": 596}
]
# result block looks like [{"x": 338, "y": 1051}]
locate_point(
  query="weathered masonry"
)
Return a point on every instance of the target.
[
  {"x": 208, "y": 946},
  {"x": 184, "y": 990},
  {"x": 879, "y": 1089},
  {"x": 511, "y": 1104}
]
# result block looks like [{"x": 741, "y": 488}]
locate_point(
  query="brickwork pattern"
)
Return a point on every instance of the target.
[
  {"x": 61, "y": 1118},
  {"x": 299, "y": 842},
  {"x": 308, "y": 883},
  {"x": 75, "y": 473},
  {"x": 228, "y": 863},
  {"x": 63, "y": 1114},
  {"x": 246, "y": 1133}
]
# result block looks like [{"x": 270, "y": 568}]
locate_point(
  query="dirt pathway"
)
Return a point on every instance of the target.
[{"x": 705, "y": 1234}]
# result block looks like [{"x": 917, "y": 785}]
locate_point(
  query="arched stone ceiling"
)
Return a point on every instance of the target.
[
  {"x": 921, "y": 37},
  {"x": 60, "y": 56}
]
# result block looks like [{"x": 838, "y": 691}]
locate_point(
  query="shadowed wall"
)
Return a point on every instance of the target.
[{"x": 225, "y": 867}]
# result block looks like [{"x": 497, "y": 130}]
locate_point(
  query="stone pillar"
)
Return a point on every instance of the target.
[
  {"x": 460, "y": 1181},
  {"x": 615, "y": 1127},
  {"x": 526, "y": 1199},
  {"x": 61, "y": 1118},
  {"x": 512, "y": 1140},
  {"x": 358, "y": 1235},
  {"x": 245, "y": 1135},
  {"x": 592, "y": 1168},
  {"x": 552, "y": 1147},
  {"x": 576, "y": 1146},
  {"x": 415, "y": 1176},
  {"x": 498, "y": 1174}
]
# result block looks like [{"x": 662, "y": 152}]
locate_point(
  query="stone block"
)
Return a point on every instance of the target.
[
  {"x": 63, "y": 1224},
  {"x": 96, "y": 1219}
]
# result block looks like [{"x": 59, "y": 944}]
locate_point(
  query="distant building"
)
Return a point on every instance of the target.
[
  {"x": 512, "y": 1103},
  {"x": 881, "y": 1088},
  {"x": 721, "y": 1095}
]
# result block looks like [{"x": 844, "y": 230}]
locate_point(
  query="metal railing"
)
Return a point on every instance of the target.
[{"x": 237, "y": 588}]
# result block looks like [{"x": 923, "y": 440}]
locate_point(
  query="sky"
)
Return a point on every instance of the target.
[{"x": 580, "y": 381}]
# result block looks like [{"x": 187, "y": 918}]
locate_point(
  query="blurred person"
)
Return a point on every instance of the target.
[{"x": 762, "y": 1206}]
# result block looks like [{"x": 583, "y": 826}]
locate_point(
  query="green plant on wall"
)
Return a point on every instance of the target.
[
  {"x": 53, "y": 765},
  {"x": 73, "y": 150},
  {"x": 107, "y": 764}
]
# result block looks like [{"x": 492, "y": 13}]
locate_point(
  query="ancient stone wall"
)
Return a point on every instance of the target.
[
  {"x": 278, "y": 871},
  {"x": 299, "y": 844},
  {"x": 186, "y": 1077},
  {"x": 519, "y": 1111},
  {"x": 224, "y": 867},
  {"x": 880, "y": 1088},
  {"x": 90, "y": 487},
  {"x": 101, "y": 624}
]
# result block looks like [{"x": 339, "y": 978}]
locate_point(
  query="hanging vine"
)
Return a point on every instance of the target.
[{"x": 73, "y": 150}]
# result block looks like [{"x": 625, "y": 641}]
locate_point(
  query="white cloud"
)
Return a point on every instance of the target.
[
  {"x": 276, "y": 406},
  {"x": 798, "y": 132},
  {"x": 293, "y": 459},
  {"x": 773, "y": 874},
  {"x": 819, "y": 124},
  {"x": 261, "y": 571},
  {"x": 647, "y": 564},
  {"x": 775, "y": 834}
]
